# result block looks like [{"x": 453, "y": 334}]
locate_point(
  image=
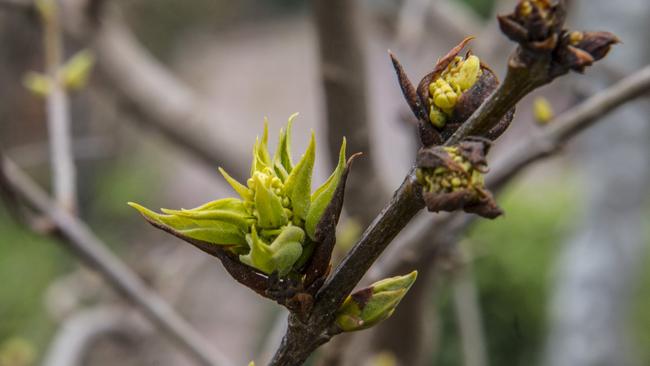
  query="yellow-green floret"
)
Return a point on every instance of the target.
[{"x": 444, "y": 92}]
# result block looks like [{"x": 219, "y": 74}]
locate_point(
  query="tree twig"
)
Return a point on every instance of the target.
[
  {"x": 58, "y": 111},
  {"x": 159, "y": 100},
  {"x": 444, "y": 230},
  {"x": 567, "y": 125},
  {"x": 406, "y": 203},
  {"x": 79, "y": 239},
  {"x": 145, "y": 87}
]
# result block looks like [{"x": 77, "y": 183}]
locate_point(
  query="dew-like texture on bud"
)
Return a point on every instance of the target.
[
  {"x": 271, "y": 226},
  {"x": 368, "y": 307},
  {"x": 452, "y": 178}
]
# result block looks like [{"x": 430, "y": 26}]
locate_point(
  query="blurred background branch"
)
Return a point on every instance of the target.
[
  {"x": 343, "y": 72},
  {"x": 84, "y": 244},
  {"x": 64, "y": 174},
  {"x": 82, "y": 330},
  {"x": 170, "y": 66}
]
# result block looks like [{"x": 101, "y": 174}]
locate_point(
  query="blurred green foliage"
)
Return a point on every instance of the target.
[
  {"x": 482, "y": 7},
  {"x": 28, "y": 263},
  {"x": 513, "y": 258}
]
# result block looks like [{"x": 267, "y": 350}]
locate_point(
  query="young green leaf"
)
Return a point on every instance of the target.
[
  {"x": 323, "y": 195},
  {"x": 211, "y": 231},
  {"x": 260, "y": 254},
  {"x": 76, "y": 71},
  {"x": 241, "y": 189},
  {"x": 283, "y": 151},
  {"x": 240, "y": 219},
  {"x": 298, "y": 185}
]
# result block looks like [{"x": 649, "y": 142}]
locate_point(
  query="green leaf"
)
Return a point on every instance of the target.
[
  {"x": 232, "y": 204},
  {"x": 282, "y": 158},
  {"x": 280, "y": 255},
  {"x": 260, "y": 255},
  {"x": 211, "y": 231},
  {"x": 285, "y": 257},
  {"x": 269, "y": 210},
  {"x": 243, "y": 191},
  {"x": 240, "y": 219},
  {"x": 76, "y": 71},
  {"x": 323, "y": 195},
  {"x": 298, "y": 185},
  {"x": 287, "y": 249},
  {"x": 261, "y": 156}
]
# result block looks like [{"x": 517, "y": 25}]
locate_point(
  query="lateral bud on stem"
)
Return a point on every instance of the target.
[
  {"x": 452, "y": 178},
  {"x": 368, "y": 307}
]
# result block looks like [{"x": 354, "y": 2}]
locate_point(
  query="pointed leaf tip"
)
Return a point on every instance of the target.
[{"x": 241, "y": 189}]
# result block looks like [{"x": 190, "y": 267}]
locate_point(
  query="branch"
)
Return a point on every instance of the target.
[
  {"x": 431, "y": 239},
  {"x": 343, "y": 73},
  {"x": 567, "y": 125},
  {"x": 144, "y": 86},
  {"x": 81, "y": 241},
  {"x": 58, "y": 110},
  {"x": 442, "y": 231},
  {"x": 159, "y": 99},
  {"x": 303, "y": 338},
  {"x": 407, "y": 202}
]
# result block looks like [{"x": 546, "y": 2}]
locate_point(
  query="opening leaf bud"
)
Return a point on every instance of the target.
[{"x": 368, "y": 307}]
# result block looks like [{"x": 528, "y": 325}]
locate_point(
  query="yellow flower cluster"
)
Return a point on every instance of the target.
[{"x": 444, "y": 92}]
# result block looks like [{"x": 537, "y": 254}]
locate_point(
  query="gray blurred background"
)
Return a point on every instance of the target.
[{"x": 562, "y": 279}]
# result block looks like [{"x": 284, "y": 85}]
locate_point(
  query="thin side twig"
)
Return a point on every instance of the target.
[
  {"x": 300, "y": 340},
  {"x": 567, "y": 125},
  {"x": 77, "y": 237},
  {"x": 58, "y": 112},
  {"x": 145, "y": 87},
  {"x": 158, "y": 99}
]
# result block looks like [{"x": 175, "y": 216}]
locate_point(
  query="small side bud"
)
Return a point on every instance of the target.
[
  {"x": 368, "y": 307},
  {"x": 542, "y": 110},
  {"x": 452, "y": 178},
  {"x": 578, "y": 50},
  {"x": 534, "y": 24}
]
